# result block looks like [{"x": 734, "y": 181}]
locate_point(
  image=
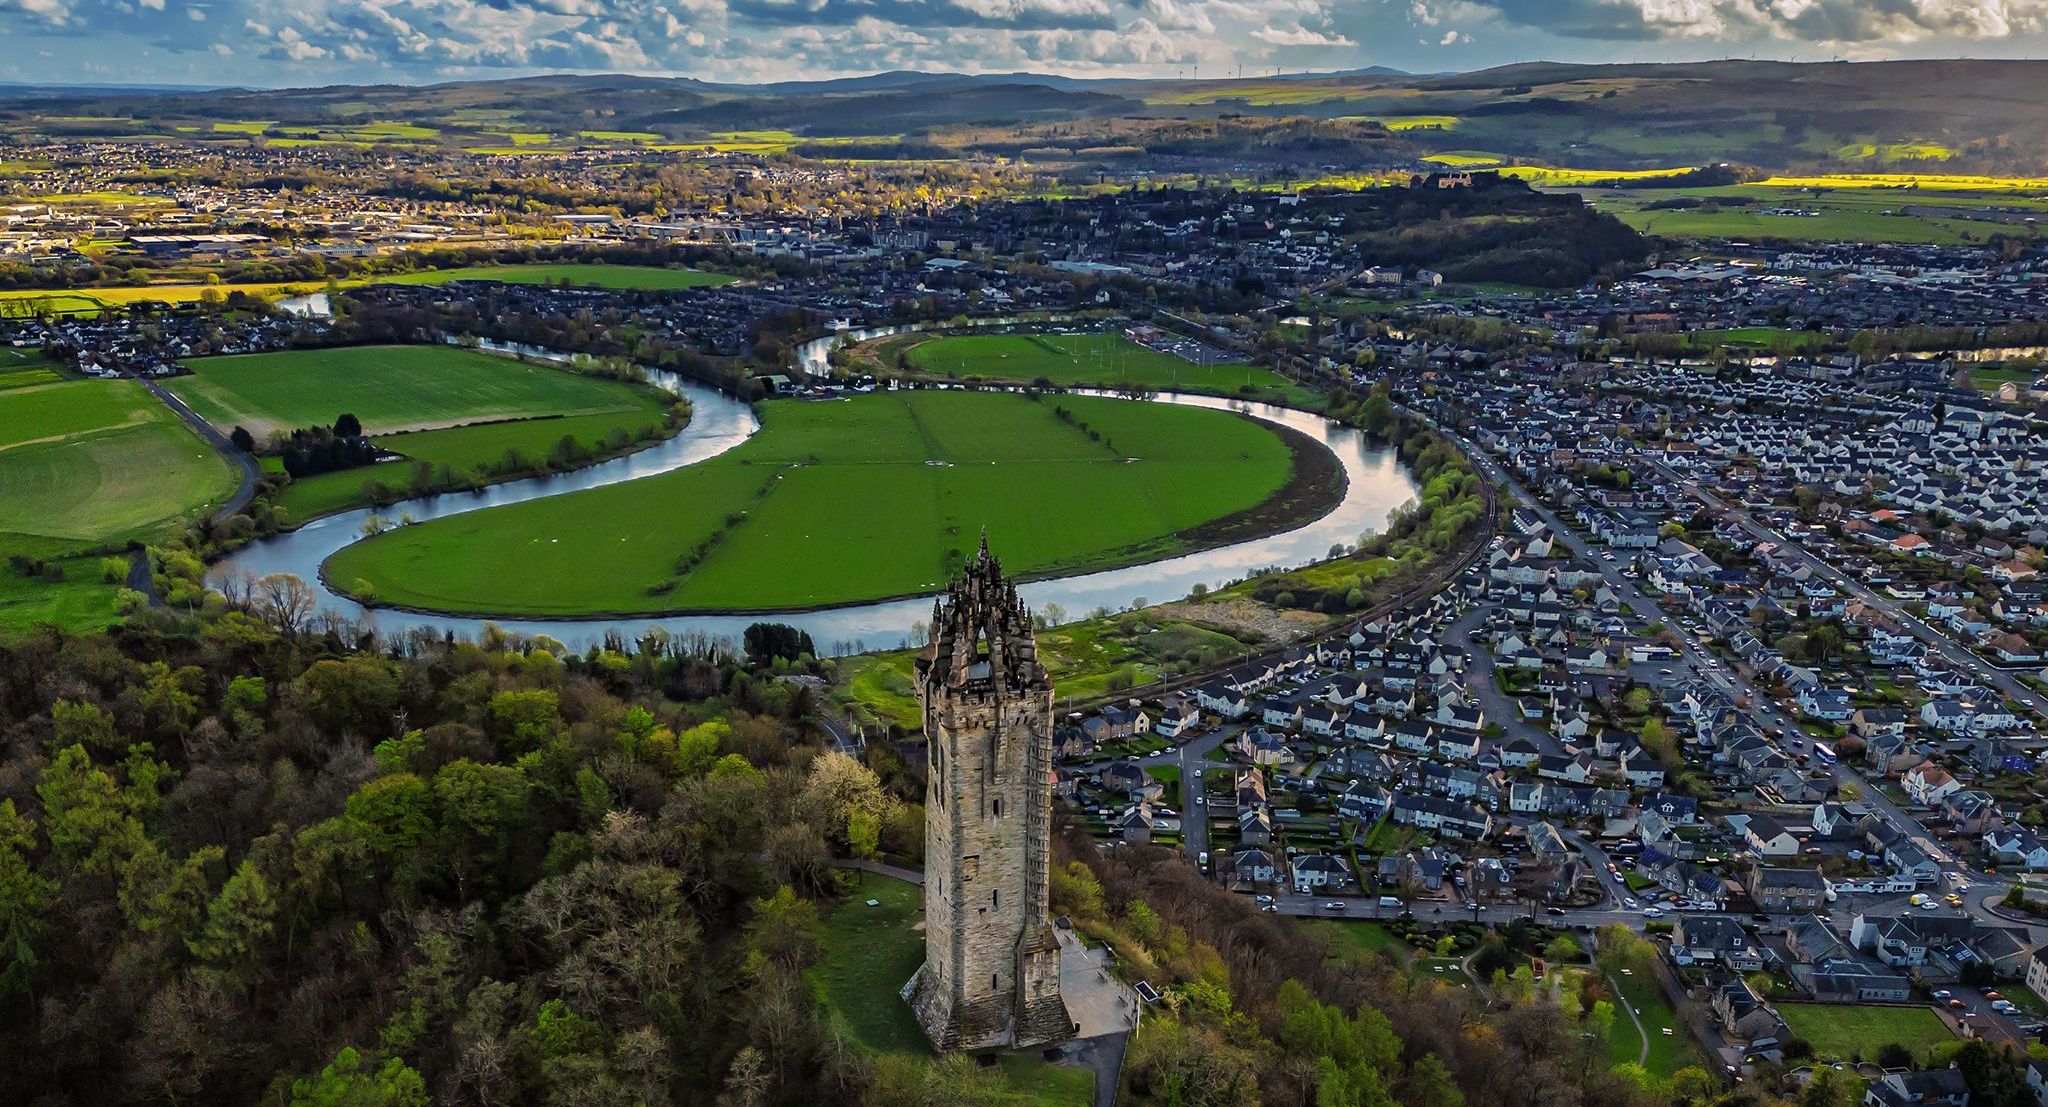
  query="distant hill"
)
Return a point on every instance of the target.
[{"x": 1926, "y": 116}]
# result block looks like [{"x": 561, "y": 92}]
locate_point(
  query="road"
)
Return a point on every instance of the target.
[
  {"x": 251, "y": 472},
  {"x": 2005, "y": 681},
  {"x": 1499, "y": 707}
]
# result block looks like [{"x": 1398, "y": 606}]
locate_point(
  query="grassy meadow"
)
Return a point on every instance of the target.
[
  {"x": 1104, "y": 359},
  {"x": 585, "y": 275},
  {"x": 389, "y": 388},
  {"x": 454, "y": 410},
  {"x": 846, "y": 501},
  {"x": 90, "y": 464}
]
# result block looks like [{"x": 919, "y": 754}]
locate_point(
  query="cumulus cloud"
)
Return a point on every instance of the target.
[
  {"x": 310, "y": 41},
  {"x": 1298, "y": 35},
  {"x": 1818, "y": 21}
]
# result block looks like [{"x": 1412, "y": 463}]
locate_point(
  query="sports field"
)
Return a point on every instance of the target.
[
  {"x": 845, "y": 501},
  {"x": 470, "y": 410},
  {"x": 1105, "y": 359},
  {"x": 90, "y": 464},
  {"x": 639, "y": 278},
  {"x": 1841, "y": 1032}
]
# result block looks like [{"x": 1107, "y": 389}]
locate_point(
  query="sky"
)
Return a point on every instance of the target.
[{"x": 290, "y": 43}]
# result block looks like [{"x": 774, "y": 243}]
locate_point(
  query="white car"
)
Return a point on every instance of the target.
[
  {"x": 1653, "y": 912},
  {"x": 1630, "y": 902}
]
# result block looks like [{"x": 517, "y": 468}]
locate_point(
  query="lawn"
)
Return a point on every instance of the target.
[
  {"x": 869, "y": 953},
  {"x": 1102, "y": 359},
  {"x": 90, "y": 464},
  {"x": 1361, "y": 937},
  {"x": 1668, "y": 1052},
  {"x": 389, "y": 388},
  {"x": 645, "y": 278},
  {"x": 1845, "y": 1032},
  {"x": 847, "y": 501}
]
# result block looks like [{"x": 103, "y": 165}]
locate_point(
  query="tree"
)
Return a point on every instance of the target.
[
  {"x": 838, "y": 790},
  {"x": 1430, "y": 1084},
  {"x": 242, "y": 440},
  {"x": 25, "y": 900},
  {"x": 239, "y": 918},
  {"x": 1831, "y": 1087},
  {"x": 1561, "y": 949},
  {"x": 345, "y": 1083},
  {"x": 767, "y": 642},
  {"x": 348, "y": 426}
]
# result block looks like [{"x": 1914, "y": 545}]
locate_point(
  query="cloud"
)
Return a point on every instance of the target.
[
  {"x": 284, "y": 42},
  {"x": 1817, "y": 21},
  {"x": 1299, "y": 36}
]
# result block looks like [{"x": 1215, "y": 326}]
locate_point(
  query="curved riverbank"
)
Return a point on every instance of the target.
[
  {"x": 1375, "y": 484},
  {"x": 766, "y": 555}
]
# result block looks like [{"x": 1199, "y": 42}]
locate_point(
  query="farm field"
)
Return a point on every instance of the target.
[
  {"x": 635, "y": 277},
  {"x": 1840, "y": 212},
  {"x": 389, "y": 388},
  {"x": 1102, "y": 359},
  {"x": 26, "y": 369},
  {"x": 1841, "y": 1032},
  {"x": 90, "y": 464},
  {"x": 847, "y": 501},
  {"x": 86, "y": 301},
  {"x": 1545, "y": 176},
  {"x": 473, "y": 410}
]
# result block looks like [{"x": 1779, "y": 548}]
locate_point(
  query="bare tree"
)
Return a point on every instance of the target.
[{"x": 284, "y": 600}]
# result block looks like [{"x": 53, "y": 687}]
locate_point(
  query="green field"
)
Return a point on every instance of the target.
[
  {"x": 88, "y": 301},
  {"x": 1844, "y": 1032},
  {"x": 389, "y": 388},
  {"x": 472, "y": 409},
  {"x": 1107, "y": 360},
  {"x": 644, "y": 278},
  {"x": 26, "y": 369},
  {"x": 847, "y": 501},
  {"x": 90, "y": 464},
  {"x": 1843, "y": 209}
]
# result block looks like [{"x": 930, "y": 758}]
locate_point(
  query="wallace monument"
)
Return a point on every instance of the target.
[{"x": 991, "y": 976}]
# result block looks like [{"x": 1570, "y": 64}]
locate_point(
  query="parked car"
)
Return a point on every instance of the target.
[{"x": 1334, "y": 905}]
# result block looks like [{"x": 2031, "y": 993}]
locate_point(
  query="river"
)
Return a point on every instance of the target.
[{"x": 1378, "y": 485}]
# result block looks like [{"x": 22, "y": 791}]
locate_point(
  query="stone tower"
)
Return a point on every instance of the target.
[{"x": 991, "y": 975}]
